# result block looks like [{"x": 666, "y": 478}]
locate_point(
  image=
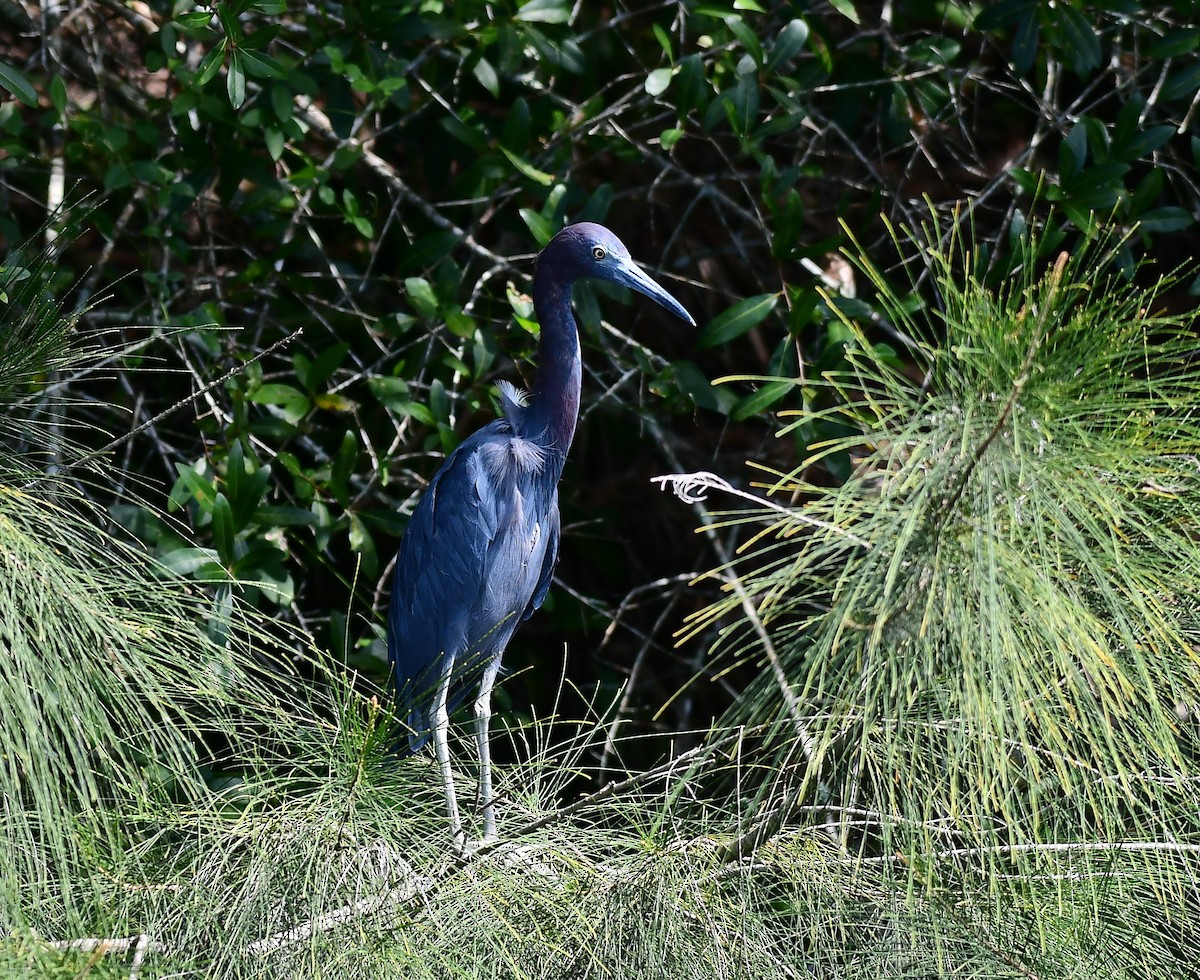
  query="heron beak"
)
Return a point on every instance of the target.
[{"x": 632, "y": 276}]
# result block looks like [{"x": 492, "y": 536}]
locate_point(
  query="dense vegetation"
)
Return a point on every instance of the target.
[{"x": 924, "y": 704}]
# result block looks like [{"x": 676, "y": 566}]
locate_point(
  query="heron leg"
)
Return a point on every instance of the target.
[
  {"x": 441, "y": 747},
  {"x": 483, "y": 717}
]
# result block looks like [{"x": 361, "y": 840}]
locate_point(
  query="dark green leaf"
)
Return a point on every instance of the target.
[
  {"x": 292, "y": 404},
  {"x": 274, "y": 142},
  {"x": 211, "y": 64},
  {"x": 934, "y": 51},
  {"x": 342, "y": 467},
  {"x": 227, "y": 14},
  {"x": 1182, "y": 82},
  {"x": 789, "y": 42},
  {"x": 389, "y": 391},
  {"x": 598, "y": 204},
  {"x": 1146, "y": 193},
  {"x": 1098, "y": 186},
  {"x": 742, "y": 107},
  {"x": 663, "y": 40},
  {"x": 1082, "y": 46},
  {"x": 1003, "y": 12},
  {"x": 1072, "y": 153},
  {"x": 486, "y": 75},
  {"x": 1148, "y": 140},
  {"x": 737, "y": 320},
  {"x": 1027, "y": 180},
  {"x": 1177, "y": 41},
  {"x": 273, "y": 516},
  {"x": 223, "y": 530},
  {"x": 690, "y": 86},
  {"x": 439, "y": 402},
  {"x": 328, "y": 361},
  {"x": 58, "y": 94},
  {"x": 472, "y": 137},
  {"x": 281, "y": 102},
  {"x": 541, "y": 229},
  {"x": 261, "y": 557},
  {"x": 746, "y": 37},
  {"x": 235, "y": 82},
  {"x": 362, "y": 542},
  {"x": 195, "y": 485},
  {"x": 515, "y": 133},
  {"x": 244, "y": 488},
  {"x": 422, "y": 297},
  {"x": 260, "y": 65},
  {"x": 693, "y": 383},
  {"x": 186, "y": 561},
  {"x": 459, "y": 323},
  {"x": 1166, "y": 219},
  {"x": 235, "y": 471},
  {"x": 760, "y": 400},
  {"x": 276, "y": 394},
  {"x": 259, "y": 39},
  {"x": 1025, "y": 42}
]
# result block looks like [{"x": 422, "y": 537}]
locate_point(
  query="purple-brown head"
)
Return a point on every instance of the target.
[{"x": 590, "y": 251}]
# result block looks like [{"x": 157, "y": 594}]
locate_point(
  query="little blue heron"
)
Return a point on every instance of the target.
[{"x": 479, "y": 550}]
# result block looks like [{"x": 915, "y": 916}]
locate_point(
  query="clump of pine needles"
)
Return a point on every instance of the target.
[{"x": 984, "y": 641}]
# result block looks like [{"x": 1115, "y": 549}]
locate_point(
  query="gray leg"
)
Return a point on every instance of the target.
[
  {"x": 441, "y": 747},
  {"x": 483, "y": 716}
]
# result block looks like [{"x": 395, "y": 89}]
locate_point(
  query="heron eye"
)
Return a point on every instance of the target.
[{"x": 599, "y": 252}]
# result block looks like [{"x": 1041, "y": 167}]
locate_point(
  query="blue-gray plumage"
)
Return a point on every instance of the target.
[{"x": 479, "y": 551}]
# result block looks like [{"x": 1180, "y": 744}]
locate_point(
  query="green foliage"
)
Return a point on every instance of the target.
[
  {"x": 978, "y": 652},
  {"x": 312, "y": 243}
]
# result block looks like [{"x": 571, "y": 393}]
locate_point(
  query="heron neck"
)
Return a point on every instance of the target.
[{"x": 555, "y": 407}]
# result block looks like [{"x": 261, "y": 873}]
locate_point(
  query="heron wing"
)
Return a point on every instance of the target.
[
  {"x": 436, "y": 576},
  {"x": 548, "y": 561},
  {"x": 472, "y": 558}
]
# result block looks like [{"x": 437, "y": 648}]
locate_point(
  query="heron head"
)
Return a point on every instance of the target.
[{"x": 590, "y": 251}]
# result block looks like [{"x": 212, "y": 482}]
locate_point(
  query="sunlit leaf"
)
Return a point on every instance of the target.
[
  {"x": 657, "y": 81},
  {"x": 846, "y": 9},
  {"x": 544, "y": 11},
  {"x": 537, "y": 176}
]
